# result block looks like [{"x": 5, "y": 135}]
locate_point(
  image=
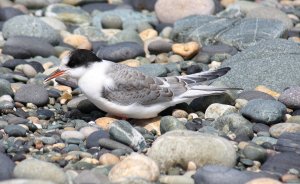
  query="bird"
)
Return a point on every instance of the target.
[{"x": 126, "y": 92}]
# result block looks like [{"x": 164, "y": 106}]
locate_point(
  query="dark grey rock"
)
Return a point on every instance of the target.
[
  {"x": 113, "y": 145},
  {"x": 89, "y": 177},
  {"x": 5, "y": 88},
  {"x": 23, "y": 47},
  {"x": 66, "y": 82},
  {"x": 240, "y": 33},
  {"x": 291, "y": 97},
  {"x": 169, "y": 123},
  {"x": 143, "y": 5},
  {"x": 261, "y": 140},
  {"x": 271, "y": 63},
  {"x": 93, "y": 139},
  {"x": 201, "y": 103},
  {"x": 259, "y": 127},
  {"x": 37, "y": 66},
  {"x": 264, "y": 111},
  {"x": 48, "y": 140},
  {"x": 280, "y": 164},
  {"x": 31, "y": 93},
  {"x": 155, "y": 70},
  {"x": 15, "y": 130},
  {"x": 9, "y": 12},
  {"x": 288, "y": 142},
  {"x": 255, "y": 152},
  {"x": 12, "y": 63},
  {"x": 251, "y": 95},
  {"x": 160, "y": 46},
  {"x": 45, "y": 113},
  {"x": 213, "y": 174},
  {"x": 26, "y": 25},
  {"x": 111, "y": 22},
  {"x": 90, "y": 7},
  {"x": 218, "y": 49},
  {"x": 6, "y": 171},
  {"x": 121, "y": 51},
  {"x": 234, "y": 123},
  {"x": 193, "y": 69},
  {"x": 123, "y": 132},
  {"x": 17, "y": 120}
]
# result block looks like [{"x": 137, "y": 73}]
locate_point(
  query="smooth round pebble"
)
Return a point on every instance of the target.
[
  {"x": 291, "y": 97},
  {"x": 216, "y": 110},
  {"x": 169, "y": 123},
  {"x": 108, "y": 159},
  {"x": 72, "y": 135}
]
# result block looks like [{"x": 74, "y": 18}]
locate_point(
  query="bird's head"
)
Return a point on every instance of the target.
[{"x": 75, "y": 64}]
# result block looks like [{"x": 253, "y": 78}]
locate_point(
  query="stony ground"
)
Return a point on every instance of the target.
[{"x": 50, "y": 133}]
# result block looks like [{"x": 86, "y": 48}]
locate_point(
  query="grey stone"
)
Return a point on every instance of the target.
[
  {"x": 213, "y": 174},
  {"x": 127, "y": 35},
  {"x": 155, "y": 70},
  {"x": 23, "y": 47},
  {"x": 131, "y": 19},
  {"x": 54, "y": 173},
  {"x": 31, "y": 93},
  {"x": 9, "y": 12},
  {"x": 121, "y": 51},
  {"x": 93, "y": 139},
  {"x": 264, "y": 111},
  {"x": 35, "y": 4},
  {"x": 233, "y": 123},
  {"x": 255, "y": 152},
  {"x": 271, "y": 63},
  {"x": 92, "y": 33},
  {"x": 25, "y": 25},
  {"x": 5, "y": 88},
  {"x": 288, "y": 142},
  {"x": 68, "y": 14},
  {"x": 89, "y": 177},
  {"x": 26, "y": 181},
  {"x": 111, "y": 22},
  {"x": 113, "y": 145},
  {"x": 251, "y": 95},
  {"x": 202, "y": 149},
  {"x": 280, "y": 128},
  {"x": 291, "y": 97},
  {"x": 6, "y": 171},
  {"x": 123, "y": 132},
  {"x": 169, "y": 123},
  {"x": 207, "y": 29},
  {"x": 15, "y": 131},
  {"x": 260, "y": 140}
]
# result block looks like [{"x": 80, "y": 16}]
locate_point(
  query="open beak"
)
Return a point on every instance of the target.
[{"x": 54, "y": 74}]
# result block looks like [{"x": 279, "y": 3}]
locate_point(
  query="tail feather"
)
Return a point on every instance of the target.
[{"x": 202, "y": 90}]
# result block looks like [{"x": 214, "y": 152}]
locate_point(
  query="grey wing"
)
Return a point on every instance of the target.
[{"x": 132, "y": 86}]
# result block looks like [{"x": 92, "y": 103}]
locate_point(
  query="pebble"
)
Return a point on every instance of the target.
[
  {"x": 5, "y": 88},
  {"x": 264, "y": 111},
  {"x": 288, "y": 142},
  {"x": 87, "y": 176},
  {"x": 113, "y": 145},
  {"x": 7, "y": 13},
  {"x": 169, "y": 11},
  {"x": 87, "y": 131},
  {"x": 127, "y": 168},
  {"x": 169, "y": 123},
  {"x": 251, "y": 95},
  {"x": 152, "y": 124},
  {"x": 176, "y": 179},
  {"x": 15, "y": 130},
  {"x": 202, "y": 149},
  {"x": 72, "y": 135},
  {"x": 24, "y": 47},
  {"x": 6, "y": 172},
  {"x": 54, "y": 173},
  {"x": 121, "y": 51},
  {"x": 78, "y": 41},
  {"x": 255, "y": 152},
  {"x": 31, "y": 93},
  {"x": 290, "y": 97},
  {"x": 186, "y": 50},
  {"x": 111, "y": 22},
  {"x": 148, "y": 34},
  {"x": 280, "y": 128},
  {"x": 159, "y": 46},
  {"x": 123, "y": 132},
  {"x": 93, "y": 139},
  {"x": 26, "y": 181},
  {"x": 25, "y": 25},
  {"x": 264, "y": 181},
  {"x": 54, "y": 23},
  {"x": 12, "y": 63},
  {"x": 105, "y": 122},
  {"x": 216, "y": 110},
  {"x": 261, "y": 140},
  {"x": 108, "y": 159},
  {"x": 280, "y": 164}
]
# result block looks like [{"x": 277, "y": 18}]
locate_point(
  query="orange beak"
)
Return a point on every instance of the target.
[{"x": 54, "y": 74}]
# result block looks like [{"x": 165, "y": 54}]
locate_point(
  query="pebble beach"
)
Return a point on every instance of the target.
[{"x": 50, "y": 133}]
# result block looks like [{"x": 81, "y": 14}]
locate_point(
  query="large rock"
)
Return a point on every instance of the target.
[
  {"x": 23, "y": 47},
  {"x": 37, "y": 169},
  {"x": 240, "y": 33},
  {"x": 5, "y": 88},
  {"x": 272, "y": 63},
  {"x": 202, "y": 149},
  {"x": 6, "y": 171},
  {"x": 31, "y": 93},
  {"x": 168, "y": 11},
  {"x": 25, "y": 25}
]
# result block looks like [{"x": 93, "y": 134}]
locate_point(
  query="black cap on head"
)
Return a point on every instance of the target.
[{"x": 82, "y": 57}]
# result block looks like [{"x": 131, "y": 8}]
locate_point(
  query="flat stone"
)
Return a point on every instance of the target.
[
  {"x": 6, "y": 172},
  {"x": 31, "y": 93},
  {"x": 280, "y": 128},
  {"x": 15, "y": 130},
  {"x": 134, "y": 166},
  {"x": 264, "y": 111},
  {"x": 54, "y": 173},
  {"x": 25, "y": 25},
  {"x": 122, "y": 131},
  {"x": 251, "y": 95},
  {"x": 288, "y": 142},
  {"x": 23, "y": 47},
  {"x": 202, "y": 149},
  {"x": 277, "y": 56}
]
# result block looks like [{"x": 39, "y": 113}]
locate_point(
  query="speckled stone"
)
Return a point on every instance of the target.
[{"x": 291, "y": 97}]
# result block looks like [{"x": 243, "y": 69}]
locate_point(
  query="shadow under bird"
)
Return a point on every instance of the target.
[{"x": 126, "y": 92}]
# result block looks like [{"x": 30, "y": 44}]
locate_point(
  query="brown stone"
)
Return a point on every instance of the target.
[
  {"x": 149, "y": 124},
  {"x": 109, "y": 159},
  {"x": 105, "y": 122},
  {"x": 78, "y": 41},
  {"x": 148, "y": 34},
  {"x": 186, "y": 50}
]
